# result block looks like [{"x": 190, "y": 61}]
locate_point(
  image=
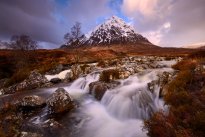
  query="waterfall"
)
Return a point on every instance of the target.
[{"x": 122, "y": 110}]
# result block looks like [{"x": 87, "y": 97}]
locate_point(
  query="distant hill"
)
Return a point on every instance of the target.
[
  {"x": 4, "y": 45},
  {"x": 113, "y": 31},
  {"x": 195, "y": 46}
]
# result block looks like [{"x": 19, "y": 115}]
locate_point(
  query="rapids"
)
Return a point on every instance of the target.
[{"x": 121, "y": 111}]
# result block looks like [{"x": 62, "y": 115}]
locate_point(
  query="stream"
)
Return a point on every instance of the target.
[{"x": 120, "y": 113}]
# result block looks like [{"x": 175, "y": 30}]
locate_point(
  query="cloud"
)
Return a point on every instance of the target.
[
  {"x": 34, "y": 18},
  {"x": 148, "y": 15},
  {"x": 145, "y": 7},
  {"x": 87, "y": 12},
  {"x": 156, "y": 37},
  {"x": 48, "y": 20},
  {"x": 185, "y": 17}
]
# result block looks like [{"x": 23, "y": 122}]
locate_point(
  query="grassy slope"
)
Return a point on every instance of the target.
[{"x": 186, "y": 98}]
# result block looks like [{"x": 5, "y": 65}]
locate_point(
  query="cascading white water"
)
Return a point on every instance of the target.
[{"x": 122, "y": 110}]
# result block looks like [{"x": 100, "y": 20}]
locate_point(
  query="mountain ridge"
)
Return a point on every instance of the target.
[{"x": 112, "y": 31}]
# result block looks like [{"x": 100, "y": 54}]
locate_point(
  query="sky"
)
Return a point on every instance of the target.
[{"x": 167, "y": 23}]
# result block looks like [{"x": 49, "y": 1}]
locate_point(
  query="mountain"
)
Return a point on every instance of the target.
[
  {"x": 4, "y": 45},
  {"x": 195, "y": 46},
  {"x": 112, "y": 31}
]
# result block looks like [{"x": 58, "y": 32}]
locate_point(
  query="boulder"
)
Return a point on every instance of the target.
[
  {"x": 60, "y": 101},
  {"x": 69, "y": 76},
  {"x": 35, "y": 80},
  {"x": 162, "y": 82},
  {"x": 56, "y": 70},
  {"x": 98, "y": 88},
  {"x": 32, "y": 101},
  {"x": 55, "y": 80}
]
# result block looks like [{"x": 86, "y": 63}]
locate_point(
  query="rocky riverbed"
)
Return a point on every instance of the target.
[{"x": 110, "y": 98}]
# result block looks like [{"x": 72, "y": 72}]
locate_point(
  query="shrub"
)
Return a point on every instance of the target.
[
  {"x": 47, "y": 66},
  {"x": 109, "y": 75},
  {"x": 187, "y": 64},
  {"x": 101, "y": 63},
  {"x": 19, "y": 76},
  {"x": 198, "y": 54},
  {"x": 83, "y": 67},
  {"x": 181, "y": 81},
  {"x": 159, "y": 126},
  {"x": 186, "y": 102}
]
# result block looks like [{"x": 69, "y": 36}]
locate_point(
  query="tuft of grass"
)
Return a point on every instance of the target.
[
  {"x": 188, "y": 64},
  {"x": 101, "y": 63},
  {"x": 83, "y": 67}
]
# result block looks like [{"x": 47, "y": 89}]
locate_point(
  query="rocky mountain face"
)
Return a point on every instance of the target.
[{"x": 112, "y": 31}]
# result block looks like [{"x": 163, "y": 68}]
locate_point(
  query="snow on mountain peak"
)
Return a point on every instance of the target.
[{"x": 114, "y": 31}]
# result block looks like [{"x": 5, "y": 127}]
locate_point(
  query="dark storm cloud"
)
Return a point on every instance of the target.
[
  {"x": 48, "y": 20},
  {"x": 34, "y": 18}
]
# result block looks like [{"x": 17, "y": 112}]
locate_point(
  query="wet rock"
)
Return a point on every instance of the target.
[
  {"x": 51, "y": 123},
  {"x": 68, "y": 76},
  {"x": 76, "y": 71},
  {"x": 162, "y": 83},
  {"x": 32, "y": 101},
  {"x": 35, "y": 80},
  {"x": 124, "y": 74},
  {"x": 55, "y": 80},
  {"x": 98, "y": 88},
  {"x": 151, "y": 85},
  {"x": 60, "y": 101},
  {"x": 29, "y": 134}
]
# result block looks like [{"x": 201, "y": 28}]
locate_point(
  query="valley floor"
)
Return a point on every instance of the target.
[{"x": 108, "y": 93}]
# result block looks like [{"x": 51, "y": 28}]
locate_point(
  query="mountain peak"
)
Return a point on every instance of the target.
[{"x": 114, "y": 31}]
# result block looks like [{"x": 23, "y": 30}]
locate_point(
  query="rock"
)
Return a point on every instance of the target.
[
  {"x": 60, "y": 101},
  {"x": 55, "y": 80},
  {"x": 1, "y": 92},
  {"x": 98, "y": 88},
  {"x": 35, "y": 80},
  {"x": 69, "y": 76},
  {"x": 51, "y": 123},
  {"x": 29, "y": 134},
  {"x": 151, "y": 85},
  {"x": 124, "y": 74},
  {"x": 162, "y": 83},
  {"x": 76, "y": 71},
  {"x": 56, "y": 70},
  {"x": 3, "y": 82},
  {"x": 32, "y": 101},
  {"x": 53, "y": 128}
]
